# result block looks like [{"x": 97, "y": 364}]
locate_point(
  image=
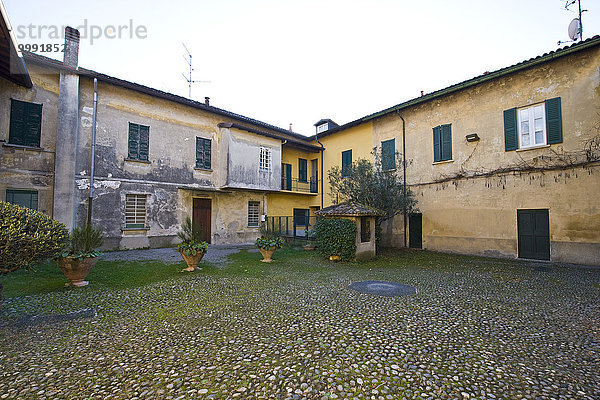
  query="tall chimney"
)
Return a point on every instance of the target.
[
  {"x": 291, "y": 130},
  {"x": 207, "y": 101},
  {"x": 65, "y": 165}
]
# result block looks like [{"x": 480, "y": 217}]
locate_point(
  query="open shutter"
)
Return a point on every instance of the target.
[
  {"x": 511, "y": 142},
  {"x": 33, "y": 124},
  {"x": 553, "y": 121},
  {"x": 134, "y": 140},
  {"x": 207, "y": 155},
  {"x": 437, "y": 148},
  {"x": 446, "y": 142},
  {"x": 144, "y": 142}
]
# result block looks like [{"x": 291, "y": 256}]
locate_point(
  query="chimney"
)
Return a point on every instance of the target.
[
  {"x": 421, "y": 93},
  {"x": 71, "y": 57},
  {"x": 291, "y": 130},
  {"x": 207, "y": 101}
]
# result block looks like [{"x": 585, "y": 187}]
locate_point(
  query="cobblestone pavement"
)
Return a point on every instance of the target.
[{"x": 474, "y": 330}]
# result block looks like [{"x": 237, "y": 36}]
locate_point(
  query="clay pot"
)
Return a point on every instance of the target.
[
  {"x": 267, "y": 254},
  {"x": 76, "y": 270},
  {"x": 191, "y": 261}
]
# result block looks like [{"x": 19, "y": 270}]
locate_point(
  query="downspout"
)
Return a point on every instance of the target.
[
  {"x": 404, "y": 211},
  {"x": 322, "y": 177},
  {"x": 92, "y": 167}
]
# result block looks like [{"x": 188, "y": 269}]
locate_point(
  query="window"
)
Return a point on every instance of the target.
[
  {"x": 302, "y": 170},
  {"x": 138, "y": 142},
  {"x": 203, "y": 153},
  {"x": 533, "y": 126},
  {"x": 388, "y": 154},
  {"x": 442, "y": 143},
  {"x": 135, "y": 210},
  {"x": 25, "y": 123},
  {"x": 265, "y": 159},
  {"x": 365, "y": 229},
  {"x": 346, "y": 162},
  {"x": 253, "y": 213},
  {"x": 24, "y": 198},
  {"x": 322, "y": 127}
]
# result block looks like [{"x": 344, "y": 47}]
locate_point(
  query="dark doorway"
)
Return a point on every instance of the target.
[
  {"x": 201, "y": 217},
  {"x": 415, "y": 231},
  {"x": 314, "y": 176},
  {"x": 534, "y": 234}
]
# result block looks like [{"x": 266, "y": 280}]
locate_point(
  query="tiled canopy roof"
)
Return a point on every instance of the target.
[{"x": 349, "y": 209}]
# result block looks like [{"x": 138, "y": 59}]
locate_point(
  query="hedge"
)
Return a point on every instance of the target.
[{"x": 336, "y": 236}]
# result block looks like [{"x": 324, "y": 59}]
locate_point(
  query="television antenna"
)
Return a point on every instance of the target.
[
  {"x": 576, "y": 26},
  {"x": 188, "y": 78}
]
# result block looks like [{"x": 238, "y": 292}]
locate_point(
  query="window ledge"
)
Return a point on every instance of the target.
[
  {"x": 542, "y": 146},
  {"x": 250, "y": 226},
  {"x": 442, "y": 162},
  {"x": 138, "y": 161},
  {"x": 135, "y": 229},
  {"x": 390, "y": 169},
  {"x": 203, "y": 169},
  {"x": 20, "y": 146}
]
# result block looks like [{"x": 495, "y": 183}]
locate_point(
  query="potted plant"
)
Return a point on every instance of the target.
[
  {"x": 192, "y": 248},
  {"x": 81, "y": 254},
  {"x": 267, "y": 247}
]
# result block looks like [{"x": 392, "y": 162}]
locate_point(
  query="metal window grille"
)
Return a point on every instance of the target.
[
  {"x": 253, "y": 213},
  {"x": 265, "y": 159},
  {"x": 135, "y": 210}
]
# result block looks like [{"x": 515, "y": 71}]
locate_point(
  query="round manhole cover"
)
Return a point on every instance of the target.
[{"x": 383, "y": 288}]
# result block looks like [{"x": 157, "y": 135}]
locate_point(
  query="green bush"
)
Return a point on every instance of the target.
[
  {"x": 191, "y": 239},
  {"x": 28, "y": 236},
  {"x": 336, "y": 236},
  {"x": 266, "y": 243},
  {"x": 84, "y": 243}
]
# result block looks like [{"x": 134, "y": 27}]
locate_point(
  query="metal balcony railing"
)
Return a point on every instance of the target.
[
  {"x": 298, "y": 227},
  {"x": 296, "y": 185}
]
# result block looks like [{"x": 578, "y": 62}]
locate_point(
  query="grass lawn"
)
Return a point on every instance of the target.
[{"x": 478, "y": 328}]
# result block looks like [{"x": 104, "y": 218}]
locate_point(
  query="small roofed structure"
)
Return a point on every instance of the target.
[{"x": 364, "y": 218}]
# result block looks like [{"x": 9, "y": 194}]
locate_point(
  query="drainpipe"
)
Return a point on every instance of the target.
[
  {"x": 92, "y": 167},
  {"x": 322, "y": 177},
  {"x": 404, "y": 212}
]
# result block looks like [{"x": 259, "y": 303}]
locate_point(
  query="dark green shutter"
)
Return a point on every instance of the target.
[
  {"x": 446, "y": 142},
  {"x": 25, "y": 123},
  {"x": 144, "y": 142},
  {"x": 33, "y": 124},
  {"x": 553, "y": 121},
  {"x": 207, "y": 153},
  {"x": 24, "y": 198},
  {"x": 133, "y": 142},
  {"x": 302, "y": 170},
  {"x": 346, "y": 162},
  {"x": 203, "y": 149},
  {"x": 437, "y": 141},
  {"x": 388, "y": 154},
  {"x": 511, "y": 141}
]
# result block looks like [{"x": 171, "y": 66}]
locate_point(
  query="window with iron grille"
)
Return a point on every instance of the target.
[
  {"x": 265, "y": 159},
  {"x": 253, "y": 213},
  {"x": 135, "y": 210}
]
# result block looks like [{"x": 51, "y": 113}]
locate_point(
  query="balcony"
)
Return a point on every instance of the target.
[{"x": 296, "y": 185}]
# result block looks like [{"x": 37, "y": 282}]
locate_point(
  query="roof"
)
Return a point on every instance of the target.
[
  {"x": 12, "y": 65},
  {"x": 49, "y": 62},
  {"x": 349, "y": 209},
  {"x": 485, "y": 77},
  {"x": 322, "y": 121},
  {"x": 286, "y": 141}
]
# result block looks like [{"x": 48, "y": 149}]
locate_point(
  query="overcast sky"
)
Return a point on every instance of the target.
[{"x": 299, "y": 61}]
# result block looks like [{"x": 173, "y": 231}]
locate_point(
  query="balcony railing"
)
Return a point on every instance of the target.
[
  {"x": 296, "y": 185},
  {"x": 299, "y": 227}
]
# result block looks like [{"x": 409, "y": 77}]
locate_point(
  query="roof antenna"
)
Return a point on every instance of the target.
[
  {"x": 189, "y": 79},
  {"x": 576, "y": 26}
]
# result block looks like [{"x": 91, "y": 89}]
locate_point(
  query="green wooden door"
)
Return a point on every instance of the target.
[
  {"x": 415, "y": 231},
  {"x": 533, "y": 234}
]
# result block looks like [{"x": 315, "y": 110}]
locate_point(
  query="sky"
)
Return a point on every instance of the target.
[{"x": 296, "y": 62}]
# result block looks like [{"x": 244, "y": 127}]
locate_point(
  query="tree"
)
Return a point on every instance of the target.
[{"x": 369, "y": 184}]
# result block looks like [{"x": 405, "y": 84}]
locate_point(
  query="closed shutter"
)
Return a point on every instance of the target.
[
  {"x": 388, "y": 154},
  {"x": 24, "y": 198},
  {"x": 553, "y": 121},
  {"x": 446, "y": 142},
  {"x": 133, "y": 142},
  {"x": 511, "y": 141},
  {"x": 144, "y": 142},
  {"x": 207, "y": 153},
  {"x": 437, "y": 141},
  {"x": 346, "y": 162},
  {"x": 203, "y": 149},
  {"x": 302, "y": 170},
  {"x": 25, "y": 123},
  {"x": 33, "y": 124}
]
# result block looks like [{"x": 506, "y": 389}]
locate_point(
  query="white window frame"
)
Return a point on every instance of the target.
[
  {"x": 323, "y": 127},
  {"x": 265, "y": 159},
  {"x": 253, "y": 214},
  {"x": 135, "y": 210},
  {"x": 531, "y": 121}
]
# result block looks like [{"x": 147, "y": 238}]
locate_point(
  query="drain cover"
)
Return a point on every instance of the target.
[{"x": 383, "y": 288}]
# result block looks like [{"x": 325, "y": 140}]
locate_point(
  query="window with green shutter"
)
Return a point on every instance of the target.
[
  {"x": 442, "y": 143},
  {"x": 138, "y": 143},
  {"x": 346, "y": 162},
  {"x": 203, "y": 149},
  {"x": 25, "y": 123},
  {"x": 533, "y": 126},
  {"x": 24, "y": 198},
  {"x": 302, "y": 170},
  {"x": 388, "y": 154}
]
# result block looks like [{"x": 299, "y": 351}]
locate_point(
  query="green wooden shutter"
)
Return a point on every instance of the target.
[
  {"x": 33, "y": 124},
  {"x": 134, "y": 141},
  {"x": 17, "y": 122},
  {"x": 511, "y": 141},
  {"x": 199, "y": 153},
  {"x": 437, "y": 141},
  {"x": 25, "y": 123},
  {"x": 207, "y": 153},
  {"x": 553, "y": 121},
  {"x": 24, "y": 198},
  {"x": 302, "y": 170},
  {"x": 144, "y": 142},
  {"x": 346, "y": 162},
  {"x": 446, "y": 142},
  {"x": 388, "y": 154}
]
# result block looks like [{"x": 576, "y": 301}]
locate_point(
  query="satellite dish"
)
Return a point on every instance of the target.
[{"x": 574, "y": 29}]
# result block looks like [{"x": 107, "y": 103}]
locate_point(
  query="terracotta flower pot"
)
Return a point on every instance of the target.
[
  {"x": 267, "y": 254},
  {"x": 191, "y": 261},
  {"x": 76, "y": 270}
]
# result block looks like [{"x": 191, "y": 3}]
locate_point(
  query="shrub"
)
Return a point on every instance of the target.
[
  {"x": 84, "y": 242},
  {"x": 191, "y": 239},
  {"x": 28, "y": 236},
  {"x": 336, "y": 236}
]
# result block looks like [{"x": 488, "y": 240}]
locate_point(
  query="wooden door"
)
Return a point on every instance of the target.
[
  {"x": 201, "y": 217},
  {"x": 533, "y": 228}
]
